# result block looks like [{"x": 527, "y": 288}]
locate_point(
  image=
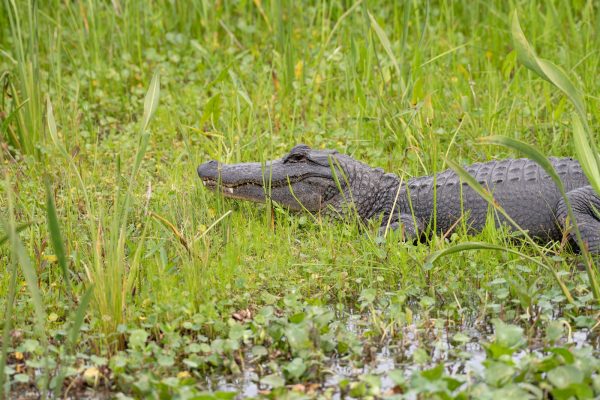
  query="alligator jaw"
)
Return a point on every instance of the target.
[
  {"x": 211, "y": 184},
  {"x": 297, "y": 192},
  {"x": 247, "y": 191}
]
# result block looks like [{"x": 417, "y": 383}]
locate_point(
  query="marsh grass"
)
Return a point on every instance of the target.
[
  {"x": 113, "y": 273},
  {"x": 25, "y": 83},
  {"x": 20, "y": 260},
  {"x": 400, "y": 85}
]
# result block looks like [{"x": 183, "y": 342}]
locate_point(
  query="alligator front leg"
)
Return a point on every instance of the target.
[
  {"x": 586, "y": 210},
  {"x": 410, "y": 227}
]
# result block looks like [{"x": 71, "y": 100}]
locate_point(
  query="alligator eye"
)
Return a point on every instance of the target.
[{"x": 294, "y": 158}]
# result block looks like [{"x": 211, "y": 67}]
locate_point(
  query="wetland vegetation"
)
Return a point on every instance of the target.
[{"x": 122, "y": 276}]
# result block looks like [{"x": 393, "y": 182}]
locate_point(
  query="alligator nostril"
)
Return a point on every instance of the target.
[{"x": 208, "y": 169}]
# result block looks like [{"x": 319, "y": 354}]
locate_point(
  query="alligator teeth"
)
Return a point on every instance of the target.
[
  {"x": 204, "y": 183},
  {"x": 229, "y": 190}
]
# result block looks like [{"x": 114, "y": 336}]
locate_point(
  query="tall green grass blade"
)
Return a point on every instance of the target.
[
  {"x": 387, "y": 46},
  {"x": 151, "y": 100},
  {"x": 51, "y": 121},
  {"x": 150, "y": 105},
  {"x": 586, "y": 153},
  {"x": 51, "y": 125},
  {"x": 77, "y": 321},
  {"x": 472, "y": 182},
  {"x": 323, "y": 48},
  {"x": 21, "y": 257},
  {"x": 79, "y": 316},
  {"x": 56, "y": 238},
  {"x": 19, "y": 251},
  {"x": 10, "y": 299},
  {"x": 134, "y": 269},
  {"x": 385, "y": 42},
  {"x": 433, "y": 257}
]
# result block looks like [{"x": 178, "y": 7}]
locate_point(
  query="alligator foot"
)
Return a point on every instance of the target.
[
  {"x": 586, "y": 210},
  {"x": 410, "y": 227}
]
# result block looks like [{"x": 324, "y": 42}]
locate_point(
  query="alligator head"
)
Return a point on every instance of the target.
[{"x": 304, "y": 179}]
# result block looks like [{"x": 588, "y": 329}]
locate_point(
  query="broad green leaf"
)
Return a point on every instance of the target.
[
  {"x": 358, "y": 390},
  {"x": 297, "y": 318},
  {"x": 498, "y": 373},
  {"x": 367, "y": 296},
  {"x": 272, "y": 380},
  {"x": 397, "y": 376},
  {"x": 295, "y": 368},
  {"x": 434, "y": 373},
  {"x": 563, "y": 354},
  {"x": 21, "y": 378},
  {"x": 508, "y": 335},
  {"x": 564, "y": 376},
  {"x": 259, "y": 351},
  {"x": 555, "y": 330},
  {"x": 165, "y": 360},
  {"x": 224, "y": 395},
  {"x": 137, "y": 338},
  {"x": 298, "y": 338}
]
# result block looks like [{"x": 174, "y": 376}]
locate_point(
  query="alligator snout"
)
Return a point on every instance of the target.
[{"x": 208, "y": 170}]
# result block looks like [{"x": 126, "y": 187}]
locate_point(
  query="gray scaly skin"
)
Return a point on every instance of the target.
[{"x": 335, "y": 184}]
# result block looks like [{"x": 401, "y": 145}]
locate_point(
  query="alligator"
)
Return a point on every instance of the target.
[{"x": 335, "y": 184}]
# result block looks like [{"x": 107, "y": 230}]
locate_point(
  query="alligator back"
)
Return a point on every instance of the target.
[{"x": 520, "y": 186}]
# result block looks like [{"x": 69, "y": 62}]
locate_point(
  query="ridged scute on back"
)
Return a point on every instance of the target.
[{"x": 520, "y": 186}]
